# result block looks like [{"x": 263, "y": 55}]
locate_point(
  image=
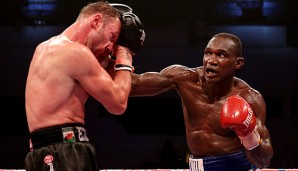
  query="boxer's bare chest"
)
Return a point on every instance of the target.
[{"x": 198, "y": 107}]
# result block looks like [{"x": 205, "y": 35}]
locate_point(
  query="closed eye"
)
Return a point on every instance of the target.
[{"x": 113, "y": 37}]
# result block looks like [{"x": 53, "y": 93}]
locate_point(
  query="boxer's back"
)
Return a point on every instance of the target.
[{"x": 52, "y": 96}]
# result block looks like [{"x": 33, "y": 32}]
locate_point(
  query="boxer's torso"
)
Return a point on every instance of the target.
[
  {"x": 52, "y": 96},
  {"x": 201, "y": 112}
]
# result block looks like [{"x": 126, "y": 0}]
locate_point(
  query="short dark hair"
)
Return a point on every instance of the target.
[{"x": 235, "y": 39}]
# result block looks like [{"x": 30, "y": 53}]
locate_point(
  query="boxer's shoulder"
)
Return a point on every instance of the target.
[{"x": 177, "y": 70}]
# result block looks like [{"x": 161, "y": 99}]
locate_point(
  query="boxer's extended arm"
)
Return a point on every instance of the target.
[
  {"x": 149, "y": 84},
  {"x": 153, "y": 83},
  {"x": 250, "y": 127}
]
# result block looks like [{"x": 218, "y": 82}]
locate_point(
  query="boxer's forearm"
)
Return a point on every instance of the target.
[
  {"x": 261, "y": 155},
  {"x": 150, "y": 84}
]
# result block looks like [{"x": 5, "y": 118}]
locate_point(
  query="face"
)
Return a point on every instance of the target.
[
  {"x": 105, "y": 37},
  {"x": 220, "y": 61}
]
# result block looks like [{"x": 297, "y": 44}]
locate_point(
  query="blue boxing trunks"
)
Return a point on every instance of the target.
[
  {"x": 228, "y": 162},
  {"x": 61, "y": 148}
]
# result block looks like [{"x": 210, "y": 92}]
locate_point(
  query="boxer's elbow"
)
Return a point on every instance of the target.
[
  {"x": 117, "y": 110},
  {"x": 119, "y": 106},
  {"x": 264, "y": 162}
]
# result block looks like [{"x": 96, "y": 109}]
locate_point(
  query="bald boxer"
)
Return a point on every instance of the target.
[
  {"x": 68, "y": 68},
  {"x": 224, "y": 116}
]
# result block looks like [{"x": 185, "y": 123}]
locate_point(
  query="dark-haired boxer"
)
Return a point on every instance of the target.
[
  {"x": 224, "y": 116},
  {"x": 68, "y": 68}
]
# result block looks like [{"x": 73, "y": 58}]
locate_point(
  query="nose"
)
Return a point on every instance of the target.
[
  {"x": 212, "y": 60},
  {"x": 110, "y": 47}
]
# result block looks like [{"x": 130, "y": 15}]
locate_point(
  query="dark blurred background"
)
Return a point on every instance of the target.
[{"x": 151, "y": 132}]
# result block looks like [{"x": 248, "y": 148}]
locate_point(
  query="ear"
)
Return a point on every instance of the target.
[
  {"x": 239, "y": 62},
  {"x": 96, "y": 21}
]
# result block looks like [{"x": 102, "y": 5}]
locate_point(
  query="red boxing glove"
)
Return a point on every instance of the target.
[{"x": 238, "y": 115}]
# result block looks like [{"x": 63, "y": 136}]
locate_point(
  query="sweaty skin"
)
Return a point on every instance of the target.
[
  {"x": 65, "y": 70},
  {"x": 203, "y": 90}
]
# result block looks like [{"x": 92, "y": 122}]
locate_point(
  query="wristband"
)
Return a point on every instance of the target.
[
  {"x": 118, "y": 67},
  {"x": 252, "y": 140}
]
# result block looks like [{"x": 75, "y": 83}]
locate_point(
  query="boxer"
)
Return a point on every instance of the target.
[
  {"x": 224, "y": 116},
  {"x": 67, "y": 69}
]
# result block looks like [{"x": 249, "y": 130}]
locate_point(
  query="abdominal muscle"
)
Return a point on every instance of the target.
[{"x": 202, "y": 144}]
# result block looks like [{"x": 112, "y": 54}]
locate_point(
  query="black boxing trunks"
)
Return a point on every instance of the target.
[
  {"x": 61, "y": 148},
  {"x": 228, "y": 162}
]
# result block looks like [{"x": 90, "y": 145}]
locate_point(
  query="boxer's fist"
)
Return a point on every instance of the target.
[
  {"x": 237, "y": 114},
  {"x": 132, "y": 34},
  {"x": 122, "y": 55}
]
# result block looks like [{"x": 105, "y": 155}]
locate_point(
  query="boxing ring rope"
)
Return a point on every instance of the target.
[{"x": 159, "y": 170}]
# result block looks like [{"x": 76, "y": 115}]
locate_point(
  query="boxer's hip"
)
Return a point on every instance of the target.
[
  {"x": 236, "y": 161},
  {"x": 65, "y": 133}
]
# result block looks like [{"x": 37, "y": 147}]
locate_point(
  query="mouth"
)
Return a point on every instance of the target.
[{"x": 209, "y": 72}]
